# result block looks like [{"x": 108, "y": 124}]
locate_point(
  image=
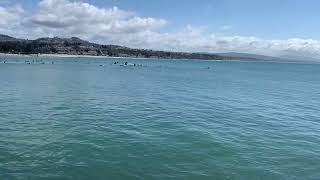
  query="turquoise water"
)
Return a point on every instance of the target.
[{"x": 75, "y": 119}]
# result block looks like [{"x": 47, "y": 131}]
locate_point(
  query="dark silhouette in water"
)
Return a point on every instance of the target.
[{"x": 127, "y": 64}]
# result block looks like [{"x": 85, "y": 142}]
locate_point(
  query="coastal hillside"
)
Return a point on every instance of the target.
[{"x": 77, "y": 46}]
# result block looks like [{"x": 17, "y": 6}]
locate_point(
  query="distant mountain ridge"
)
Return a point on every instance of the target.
[
  {"x": 282, "y": 58},
  {"x": 77, "y": 46},
  {"x": 7, "y": 38},
  {"x": 247, "y": 55}
]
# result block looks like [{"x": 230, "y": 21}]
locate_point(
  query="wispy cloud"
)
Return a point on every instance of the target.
[
  {"x": 226, "y": 27},
  {"x": 10, "y": 18}
]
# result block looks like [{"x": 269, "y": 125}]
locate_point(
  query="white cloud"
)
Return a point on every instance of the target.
[
  {"x": 10, "y": 17},
  {"x": 116, "y": 26},
  {"x": 196, "y": 40},
  {"x": 79, "y": 18}
]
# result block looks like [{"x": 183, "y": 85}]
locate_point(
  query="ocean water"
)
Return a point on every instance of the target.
[{"x": 84, "y": 118}]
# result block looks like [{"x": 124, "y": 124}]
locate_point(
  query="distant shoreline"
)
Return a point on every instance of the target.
[
  {"x": 143, "y": 58},
  {"x": 83, "y": 56},
  {"x": 57, "y": 55},
  {"x": 76, "y": 47},
  {"x": 100, "y": 57}
]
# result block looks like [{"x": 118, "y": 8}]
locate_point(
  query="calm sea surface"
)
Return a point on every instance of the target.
[{"x": 83, "y": 118}]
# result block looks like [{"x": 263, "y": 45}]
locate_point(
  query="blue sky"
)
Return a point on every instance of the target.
[
  {"x": 263, "y": 18},
  {"x": 270, "y": 27}
]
